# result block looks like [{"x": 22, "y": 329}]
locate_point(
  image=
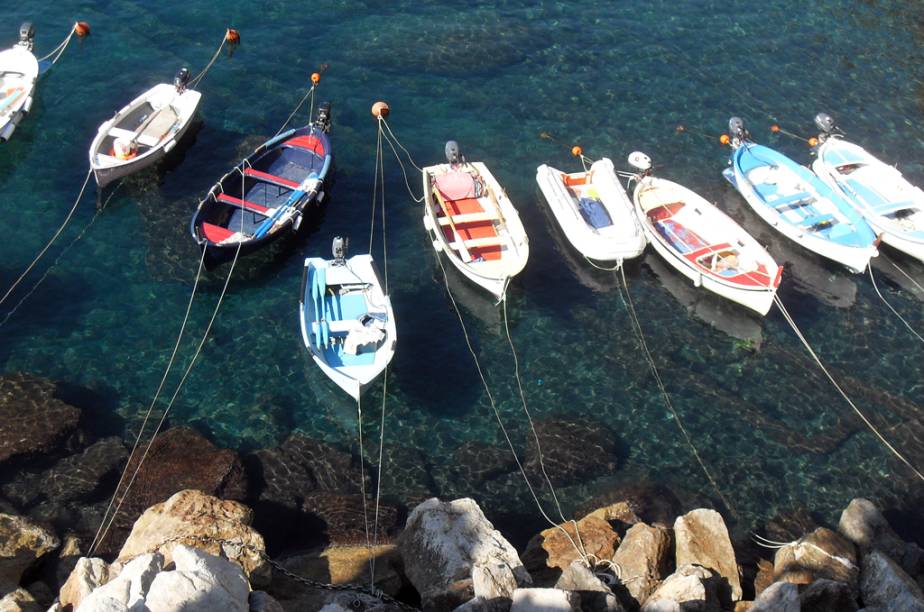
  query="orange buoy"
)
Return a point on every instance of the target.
[
  {"x": 315, "y": 78},
  {"x": 775, "y": 128},
  {"x": 82, "y": 28},
  {"x": 380, "y": 110},
  {"x": 724, "y": 139},
  {"x": 576, "y": 150},
  {"x": 232, "y": 36},
  {"x": 813, "y": 142}
]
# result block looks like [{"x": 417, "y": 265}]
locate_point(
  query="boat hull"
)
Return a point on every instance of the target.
[
  {"x": 19, "y": 69},
  {"x": 620, "y": 235}
]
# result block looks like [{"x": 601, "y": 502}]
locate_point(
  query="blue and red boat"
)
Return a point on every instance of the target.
[{"x": 265, "y": 196}]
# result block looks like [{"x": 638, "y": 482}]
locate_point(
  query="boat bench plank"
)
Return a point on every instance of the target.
[
  {"x": 815, "y": 220},
  {"x": 271, "y": 178},
  {"x": 336, "y": 326},
  {"x": 712, "y": 248},
  {"x": 143, "y": 139},
  {"x": 222, "y": 197},
  {"x": 790, "y": 200},
  {"x": 478, "y": 242},
  {"x": 892, "y": 207},
  {"x": 468, "y": 218}
]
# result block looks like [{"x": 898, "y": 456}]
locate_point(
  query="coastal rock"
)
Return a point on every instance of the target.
[
  {"x": 566, "y": 446},
  {"x": 651, "y": 502},
  {"x": 764, "y": 577},
  {"x": 863, "y": 524},
  {"x": 129, "y": 588},
  {"x": 884, "y": 584},
  {"x": 452, "y": 553},
  {"x": 702, "y": 539},
  {"x": 544, "y": 600},
  {"x": 340, "y": 519},
  {"x": 341, "y": 565},
  {"x": 260, "y": 601},
  {"x": 643, "y": 559},
  {"x": 579, "y": 577},
  {"x": 87, "y": 575},
  {"x": 820, "y": 554},
  {"x": 551, "y": 551},
  {"x": 827, "y": 596},
  {"x": 19, "y": 600},
  {"x": 621, "y": 513},
  {"x": 778, "y": 597},
  {"x": 200, "y": 582},
  {"x": 32, "y": 419},
  {"x": 179, "y": 459},
  {"x": 689, "y": 589},
  {"x": 194, "y": 518},
  {"x": 301, "y": 465},
  {"x": 22, "y": 543}
]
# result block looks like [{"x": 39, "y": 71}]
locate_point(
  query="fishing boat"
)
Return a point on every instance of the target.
[
  {"x": 144, "y": 130},
  {"x": 19, "y": 71},
  {"x": 593, "y": 211},
  {"x": 797, "y": 203},
  {"x": 471, "y": 219},
  {"x": 266, "y": 195},
  {"x": 703, "y": 243},
  {"x": 893, "y": 207},
  {"x": 347, "y": 321}
]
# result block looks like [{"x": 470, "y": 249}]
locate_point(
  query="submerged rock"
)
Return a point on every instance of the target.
[
  {"x": 702, "y": 539},
  {"x": 553, "y": 550},
  {"x": 452, "y": 553},
  {"x": 884, "y": 584},
  {"x": 651, "y": 502},
  {"x": 339, "y": 519},
  {"x": 572, "y": 451},
  {"x": 820, "y": 554},
  {"x": 22, "y": 543},
  {"x": 32, "y": 419},
  {"x": 643, "y": 559},
  {"x": 213, "y": 525}
]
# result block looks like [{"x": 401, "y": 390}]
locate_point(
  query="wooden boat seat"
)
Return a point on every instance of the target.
[
  {"x": 791, "y": 201},
  {"x": 271, "y": 178},
  {"x": 148, "y": 141},
  {"x": 225, "y": 198},
  {"x": 712, "y": 248},
  {"x": 475, "y": 217},
  {"x": 215, "y": 233},
  {"x": 310, "y": 142},
  {"x": 478, "y": 242}
]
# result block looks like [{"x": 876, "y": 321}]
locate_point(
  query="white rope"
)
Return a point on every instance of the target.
[
  {"x": 862, "y": 416},
  {"x": 908, "y": 276},
  {"x": 895, "y": 312},
  {"x": 378, "y": 479},
  {"x": 60, "y": 48},
  {"x": 401, "y": 163},
  {"x": 50, "y": 242},
  {"x": 599, "y": 267},
  {"x": 310, "y": 94},
  {"x": 630, "y": 308},
  {"x": 362, "y": 485},
  {"x": 195, "y": 80}
]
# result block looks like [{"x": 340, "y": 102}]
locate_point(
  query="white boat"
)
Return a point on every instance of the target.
[
  {"x": 593, "y": 211},
  {"x": 144, "y": 130},
  {"x": 892, "y": 206},
  {"x": 347, "y": 321},
  {"x": 797, "y": 203},
  {"x": 471, "y": 220},
  {"x": 19, "y": 70},
  {"x": 703, "y": 243}
]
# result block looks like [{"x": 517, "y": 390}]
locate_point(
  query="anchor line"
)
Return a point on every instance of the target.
[{"x": 895, "y": 312}]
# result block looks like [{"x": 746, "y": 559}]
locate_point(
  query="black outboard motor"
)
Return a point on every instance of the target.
[
  {"x": 323, "y": 120},
  {"x": 339, "y": 249},
  {"x": 826, "y": 124},
  {"x": 453, "y": 154},
  {"x": 27, "y": 35},
  {"x": 181, "y": 79},
  {"x": 738, "y": 132}
]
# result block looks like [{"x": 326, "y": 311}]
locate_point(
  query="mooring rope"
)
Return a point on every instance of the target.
[
  {"x": 59, "y": 50},
  {"x": 604, "y": 269},
  {"x": 630, "y": 308},
  {"x": 50, "y": 242},
  {"x": 194, "y": 82},
  {"x": 906, "y": 275},
  {"x": 401, "y": 162},
  {"x": 309, "y": 94},
  {"x": 847, "y": 399},
  {"x": 362, "y": 484},
  {"x": 895, "y": 312}
]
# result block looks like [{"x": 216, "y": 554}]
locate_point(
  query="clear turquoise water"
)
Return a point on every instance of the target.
[{"x": 516, "y": 83}]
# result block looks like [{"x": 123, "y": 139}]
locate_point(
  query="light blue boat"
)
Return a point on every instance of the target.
[{"x": 797, "y": 203}]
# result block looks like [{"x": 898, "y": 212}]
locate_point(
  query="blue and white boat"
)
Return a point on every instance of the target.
[
  {"x": 797, "y": 203},
  {"x": 892, "y": 206},
  {"x": 265, "y": 196},
  {"x": 347, "y": 321},
  {"x": 19, "y": 71}
]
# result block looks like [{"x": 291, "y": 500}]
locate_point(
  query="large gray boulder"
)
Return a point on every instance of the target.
[
  {"x": 544, "y": 600},
  {"x": 778, "y": 597},
  {"x": 22, "y": 543},
  {"x": 691, "y": 588},
  {"x": 88, "y": 574},
  {"x": 827, "y": 596},
  {"x": 19, "y": 600},
  {"x": 702, "y": 539},
  {"x": 129, "y": 588},
  {"x": 820, "y": 554},
  {"x": 200, "y": 582},
  {"x": 863, "y": 524},
  {"x": 642, "y": 559},
  {"x": 452, "y": 553},
  {"x": 884, "y": 584}
]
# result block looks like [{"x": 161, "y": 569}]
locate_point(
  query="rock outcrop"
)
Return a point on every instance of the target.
[
  {"x": 820, "y": 554},
  {"x": 553, "y": 550},
  {"x": 22, "y": 543},
  {"x": 827, "y": 596},
  {"x": 885, "y": 585},
  {"x": 19, "y": 600},
  {"x": 87, "y": 575},
  {"x": 643, "y": 558},
  {"x": 778, "y": 597},
  {"x": 701, "y": 538},
  {"x": 127, "y": 589},
  {"x": 196, "y": 519},
  {"x": 452, "y": 553},
  {"x": 691, "y": 587},
  {"x": 32, "y": 419},
  {"x": 862, "y": 523}
]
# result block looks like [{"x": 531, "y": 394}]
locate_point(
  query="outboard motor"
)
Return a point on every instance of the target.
[
  {"x": 181, "y": 79},
  {"x": 825, "y": 123},
  {"x": 641, "y": 162},
  {"x": 27, "y": 35},
  {"x": 738, "y": 132},
  {"x": 323, "y": 120},
  {"x": 339, "y": 249},
  {"x": 453, "y": 154}
]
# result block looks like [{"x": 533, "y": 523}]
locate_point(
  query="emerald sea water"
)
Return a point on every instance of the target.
[{"x": 516, "y": 84}]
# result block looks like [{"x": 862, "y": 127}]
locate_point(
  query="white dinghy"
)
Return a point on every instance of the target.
[
  {"x": 703, "y": 243},
  {"x": 143, "y": 131},
  {"x": 593, "y": 211},
  {"x": 347, "y": 321},
  {"x": 19, "y": 70},
  {"x": 471, "y": 219},
  {"x": 892, "y": 206}
]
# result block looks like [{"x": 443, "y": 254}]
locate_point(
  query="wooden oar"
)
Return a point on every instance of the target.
[{"x": 466, "y": 256}]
